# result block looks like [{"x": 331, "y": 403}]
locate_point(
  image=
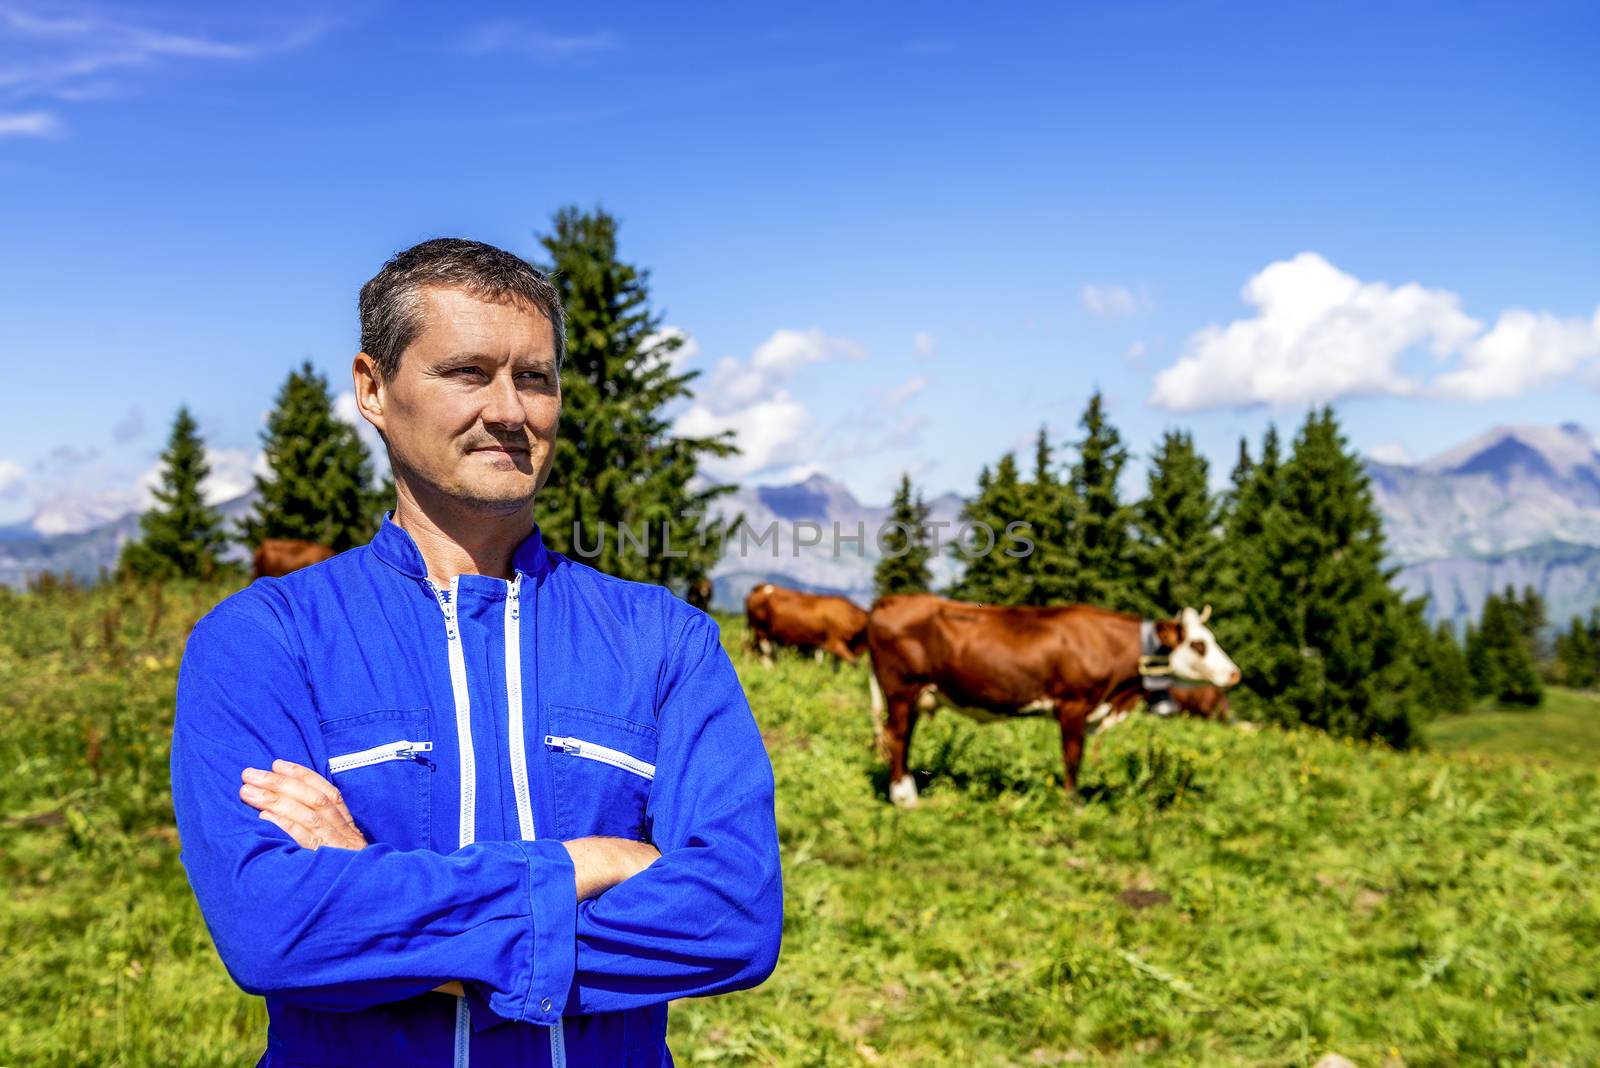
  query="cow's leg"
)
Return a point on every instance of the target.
[
  {"x": 841, "y": 653},
  {"x": 875, "y": 692},
  {"x": 817, "y": 654},
  {"x": 1072, "y": 716},
  {"x": 766, "y": 652},
  {"x": 902, "y": 718}
]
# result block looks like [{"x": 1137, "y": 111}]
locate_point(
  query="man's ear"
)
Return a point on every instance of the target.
[
  {"x": 368, "y": 381},
  {"x": 1169, "y": 632}
]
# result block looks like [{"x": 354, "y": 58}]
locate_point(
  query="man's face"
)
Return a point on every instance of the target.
[{"x": 472, "y": 410}]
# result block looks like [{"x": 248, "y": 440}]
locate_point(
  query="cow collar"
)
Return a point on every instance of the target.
[
  {"x": 1153, "y": 656},
  {"x": 395, "y": 547}
]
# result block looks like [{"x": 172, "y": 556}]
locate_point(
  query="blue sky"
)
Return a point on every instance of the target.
[{"x": 899, "y": 237}]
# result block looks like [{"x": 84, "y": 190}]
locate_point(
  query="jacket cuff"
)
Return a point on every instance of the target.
[{"x": 553, "y": 939}]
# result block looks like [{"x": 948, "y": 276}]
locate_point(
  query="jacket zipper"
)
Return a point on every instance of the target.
[
  {"x": 519, "y": 759},
  {"x": 605, "y": 754},
  {"x": 401, "y": 750},
  {"x": 469, "y": 771}
]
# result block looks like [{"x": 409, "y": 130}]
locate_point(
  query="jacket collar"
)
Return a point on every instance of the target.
[{"x": 395, "y": 547}]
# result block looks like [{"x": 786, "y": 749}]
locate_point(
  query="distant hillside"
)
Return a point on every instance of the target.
[
  {"x": 832, "y": 566},
  {"x": 24, "y": 552},
  {"x": 1518, "y": 505}
]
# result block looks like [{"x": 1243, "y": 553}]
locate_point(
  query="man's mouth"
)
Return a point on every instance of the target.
[{"x": 504, "y": 449}]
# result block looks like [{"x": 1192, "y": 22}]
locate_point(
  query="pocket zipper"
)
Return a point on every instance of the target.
[
  {"x": 602, "y": 753},
  {"x": 401, "y": 750}
]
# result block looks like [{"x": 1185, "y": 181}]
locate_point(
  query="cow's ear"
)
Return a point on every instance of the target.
[{"x": 1169, "y": 632}]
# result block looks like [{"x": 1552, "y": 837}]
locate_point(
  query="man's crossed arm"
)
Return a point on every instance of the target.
[
  {"x": 541, "y": 928},
  {"x": 311, "y": 810}
]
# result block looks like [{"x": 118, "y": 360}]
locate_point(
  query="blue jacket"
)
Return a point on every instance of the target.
[{"x": 617, "y": 712}]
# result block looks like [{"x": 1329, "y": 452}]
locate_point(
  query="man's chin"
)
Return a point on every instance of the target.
[{"x": 497, "y": 495}]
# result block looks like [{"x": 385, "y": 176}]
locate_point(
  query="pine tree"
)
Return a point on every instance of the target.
[
  {"x": 624, "y": 494},
  {"x": 992, "y": 575},
  {"x": 321, "y": 486},
  {"x": 1178, "y": 544},
  {"x": 1247, "y": 618},
  {"x": 1499, "y": 657},
  {"x": 903, "y": 568},
  {"x": 1450, "y": 682},
  {"x": 1101, "y": 546},
  {"x": 181, "y": 536},
  {"x": 1577, "y": 659},
  {"x": 1047, "y": 571},
  {"x": 1331, "y": 642},
  {"x": 1531, "y": 614}
]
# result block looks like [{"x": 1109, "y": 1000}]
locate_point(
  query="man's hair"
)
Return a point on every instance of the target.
[{"x": 391, "y": 302}]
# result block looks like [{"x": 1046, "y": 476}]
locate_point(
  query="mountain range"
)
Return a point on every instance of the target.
[{"x": 1516, "y": 504}]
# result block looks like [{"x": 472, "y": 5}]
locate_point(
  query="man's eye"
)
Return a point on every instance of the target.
[{"x": 468, "y": 370}]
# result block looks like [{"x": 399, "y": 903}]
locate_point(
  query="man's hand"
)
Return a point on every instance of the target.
[
  {"x": 310, "y": 810},
  {"x": 601, "y": 863},
  {"x": 307, "y": 806}
]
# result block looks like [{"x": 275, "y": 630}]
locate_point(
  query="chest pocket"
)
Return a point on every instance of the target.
[
  {"x": 382, "y": 764},
  {"x": 602, "y": 766}
]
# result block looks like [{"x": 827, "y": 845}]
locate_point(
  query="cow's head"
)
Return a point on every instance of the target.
[{"x": 1195, "y": 652}]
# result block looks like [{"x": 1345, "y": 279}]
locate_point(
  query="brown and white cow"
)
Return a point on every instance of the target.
[
  {"x": 1205, "y": 702},
  {"x": 276, "y": 557},
  {"x": 810, "y": 622},
  {"x": 699, "y": 593},
  {"x": 995, "y": 662}
]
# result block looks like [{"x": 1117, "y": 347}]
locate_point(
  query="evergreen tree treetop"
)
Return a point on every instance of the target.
[
  {"x": 617, "y": 463},
  {"x": 320, "y": 482},
  {"x": 903, "y": 568},
  {"x": 180, "y": 535}
]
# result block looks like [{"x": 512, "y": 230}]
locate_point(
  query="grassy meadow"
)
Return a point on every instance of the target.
[{"x": 1217, "y": 896}]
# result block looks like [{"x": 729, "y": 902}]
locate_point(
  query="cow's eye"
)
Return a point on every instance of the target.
[{"x": 1199, "y": 647}]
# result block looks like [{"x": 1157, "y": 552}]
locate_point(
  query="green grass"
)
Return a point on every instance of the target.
[
  {"x": 1565, "y": 730},
  {"x": 1217, "y": 896}
]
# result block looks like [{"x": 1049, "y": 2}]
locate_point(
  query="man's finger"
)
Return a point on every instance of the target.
[
  {"x": 305, "y": 787},
  {"x": 301, "y": 835},
  {"x": 306, "y": 775},
  {"x": 281, "y": 804},
  {"x": 297, "y": 781}
]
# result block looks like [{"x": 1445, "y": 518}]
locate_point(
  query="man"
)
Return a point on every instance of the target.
[{"x": 509, "y": 806}]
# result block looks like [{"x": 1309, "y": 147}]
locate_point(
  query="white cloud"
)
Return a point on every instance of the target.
[
  {"x": 12, "y": 476},
  {"x": 751, "y": 398},
  {"x": 72, "y": 57},
  {"x": 30, "y": 124},
  {"x": 1318, "y": 334},
  {"x": 923, "y": 343},
  {"x": 680, "y": 357},
  {"x": 1524, "y": 349},
  {"x": 906, "y": 390},
  {"x": 73, "y": 511},
  {"x": 1390, "y": 452},
  {"x": 231, "y": 475},
  {"x": 1110, "y": 301},
  {"x": 526, "y": 38},
  {"x": 128, "y": 427}
]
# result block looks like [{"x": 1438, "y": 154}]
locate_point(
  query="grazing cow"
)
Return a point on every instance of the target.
[
  {"x": 994, "y": 662},
  {"x": 276, "y": 557},
  {"x": 810, "y": 622},
  {"x": 699, "y": 593},
  {"x": 1206, "y": 702}
]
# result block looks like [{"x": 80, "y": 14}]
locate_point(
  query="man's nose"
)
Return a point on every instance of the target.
[{"x": 503, "y": 407}]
